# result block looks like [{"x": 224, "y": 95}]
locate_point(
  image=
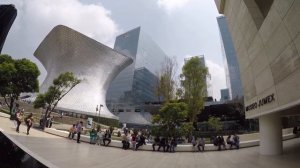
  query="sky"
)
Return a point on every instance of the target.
[{"x": 182, "y": 28}]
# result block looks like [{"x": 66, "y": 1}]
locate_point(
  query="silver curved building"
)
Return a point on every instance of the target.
[{"x": 64, "y": 50}]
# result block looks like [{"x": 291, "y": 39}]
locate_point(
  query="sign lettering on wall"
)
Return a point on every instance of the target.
[{"x": 266, "y": 100}]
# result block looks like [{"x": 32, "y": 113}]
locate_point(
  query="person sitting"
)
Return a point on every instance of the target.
[
  {"x": 229, "y": 141},
  {"x": 125, "y": 142},
  {"x": 162, "y": 143},
  {"x": 93, "y": 136},
  {"x": 168, "y": 145},
  {"x": 133, "y": 141},
  {"x": 236, "y": 141},
  {"x": 140, "y": 142},
  {"x": 173, "y": 144},
  {"x": 100, "y": 136},
  {"x": 222, "y": 142},
  {"x": 72, "y": 131},
  {"x": 107, "y": 137},
  {"x": 155, "y": 143},
  {"x": 201, "y": 144}
]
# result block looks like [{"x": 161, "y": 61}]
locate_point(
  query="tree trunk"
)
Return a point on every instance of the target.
[
  {"x": 11, "y": 105},
  {"x": 45, "y": 118}
]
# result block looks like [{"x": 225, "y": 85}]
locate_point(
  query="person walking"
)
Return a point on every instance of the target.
[
  {"x": 29, "y": 121},
  {"x": 79, "y": 129},
  {"x": 18, "y": 119}
]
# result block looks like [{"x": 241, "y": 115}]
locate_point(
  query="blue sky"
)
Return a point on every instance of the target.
[{"x": 182, "y": 28}]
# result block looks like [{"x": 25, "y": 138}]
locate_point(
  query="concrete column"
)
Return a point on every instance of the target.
[{"x": 270, "y": 129}]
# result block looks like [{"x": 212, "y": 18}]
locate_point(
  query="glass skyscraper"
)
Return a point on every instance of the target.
[
  {"x": 232, "y": 71},
  {"x": 135, "y": 85}
]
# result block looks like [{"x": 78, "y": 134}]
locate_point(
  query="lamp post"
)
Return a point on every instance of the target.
[{"x": 99, "y": 111}]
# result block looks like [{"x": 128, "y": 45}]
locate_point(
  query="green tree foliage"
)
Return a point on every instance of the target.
[
  {"x": 186, "y": 129},
  {"x": 17, "y": 76},
  {"x": 214, "y": 123},
  {"x": 170, "y": 119},
  {"x": 166, "y": 84},
  {"x": 61, "y": 86},
  {"x": 193, "y": 82}
]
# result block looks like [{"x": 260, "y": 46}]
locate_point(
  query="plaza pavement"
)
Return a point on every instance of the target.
[{"x": 55, "y": 151}]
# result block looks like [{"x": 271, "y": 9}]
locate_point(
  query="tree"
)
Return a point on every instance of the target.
[
  {"x": 193, "y": 82},
  {"x": 166, "y": 84},
  {"x": 17, "y": 76},
  {"x": 214, "y": 123},
  {"x": 170, "y": 119},
  {"x": 61, "y": 86}
]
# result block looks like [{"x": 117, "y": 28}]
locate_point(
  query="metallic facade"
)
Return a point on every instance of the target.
[
  {"x": 232, "y": 71},
  {"x": 8, "y": 14},
  {"x": 136, "y": 84},
  {"x": 97, "y": 65}
]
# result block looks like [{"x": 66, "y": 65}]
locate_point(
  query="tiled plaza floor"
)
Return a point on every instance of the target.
[{"x": 61, "y": 152}]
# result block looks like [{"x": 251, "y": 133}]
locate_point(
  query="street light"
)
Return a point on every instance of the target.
[{"x": 99, "y": 111}]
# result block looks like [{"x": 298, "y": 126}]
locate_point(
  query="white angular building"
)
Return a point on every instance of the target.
[{"x": 97, "y": 65}]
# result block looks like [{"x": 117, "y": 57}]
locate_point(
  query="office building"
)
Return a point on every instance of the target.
[
  {"x": 225, "y": 94},
  {"x": 135, "y": 85},
  {"x": 232, "y": 71}
]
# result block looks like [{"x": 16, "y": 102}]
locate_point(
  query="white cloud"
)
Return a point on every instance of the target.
[
  {"x": 171, "y": 5},
  {"x": 218, "y": 80},
  {"x": 36, "y": 18}
]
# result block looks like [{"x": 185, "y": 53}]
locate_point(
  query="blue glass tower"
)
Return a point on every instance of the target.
[
  {"x": 135, "y": 85},
  {"x": 232, "y": 71}
]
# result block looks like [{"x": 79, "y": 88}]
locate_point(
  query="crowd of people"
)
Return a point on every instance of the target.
[
  {"x": 167, "y": 144},
  {"x": 128, "y": 138},
  {"x": 136, "y": 140},
  {"x": 231, "y": 140}
]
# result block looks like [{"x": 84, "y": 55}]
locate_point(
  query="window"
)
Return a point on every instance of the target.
[
  {"x": 264, "y": 6},
  {"x": 259, "y": 10}
]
